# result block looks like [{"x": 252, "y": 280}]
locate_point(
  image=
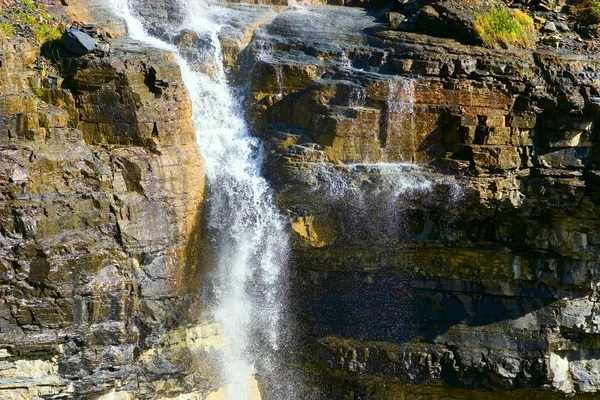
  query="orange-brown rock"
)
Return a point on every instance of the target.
[{"x": 102, "y": 187}]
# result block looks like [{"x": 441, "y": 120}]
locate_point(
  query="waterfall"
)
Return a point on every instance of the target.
[
  {"x": 375, "y": 196},
  {"x": 399, "y": 115},
  {"x": 247, "y": 232}
]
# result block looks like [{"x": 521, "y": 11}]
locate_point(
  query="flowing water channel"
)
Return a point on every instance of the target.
[{"x": 247, "y": 232}]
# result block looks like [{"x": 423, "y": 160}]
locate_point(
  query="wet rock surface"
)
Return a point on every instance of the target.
[
  {"x": 471, "y": 291},
  {"x": 462, "y": 265}
]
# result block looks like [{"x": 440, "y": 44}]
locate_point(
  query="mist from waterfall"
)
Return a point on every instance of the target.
[
  {"x": 246, "y": 230},
  {"x": 375, "y": 197},
  {"x": 247, "y": 233}
]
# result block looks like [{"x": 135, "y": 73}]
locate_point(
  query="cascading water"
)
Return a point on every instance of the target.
[
  {"x": 247, "y": 232},
  {"x": 399, "y": 114},
  {"x": 374, "y": 196}
]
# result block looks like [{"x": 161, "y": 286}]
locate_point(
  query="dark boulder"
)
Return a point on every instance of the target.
[
  {"x": 452, "y": 19},
  {"x": 397, "y": 21},
  {"x": 78, "y": 42}
]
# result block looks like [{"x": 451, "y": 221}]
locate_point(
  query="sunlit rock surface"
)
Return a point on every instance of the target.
[
  {"x": 489, "y": 286},
  {"x": 102, "y": 186},
  {"x": 470, "y": 276}
]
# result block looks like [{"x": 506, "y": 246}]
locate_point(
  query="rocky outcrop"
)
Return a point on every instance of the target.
[
  {"x": 492, "y": 289},
  {"x": 100, "y": 226},
  {"x": 442, "y": 199}
]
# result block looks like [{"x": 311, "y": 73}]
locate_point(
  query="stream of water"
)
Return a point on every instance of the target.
[{"x": 247, "y": 232}]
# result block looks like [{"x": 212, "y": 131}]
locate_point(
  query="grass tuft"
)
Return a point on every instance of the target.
[
  {"x": 28, "y": 4},
  {"x": 505, "y": 28},
  {"x": 7, "y": 29},
  {"x": 31, "y": 19},
  {"x": 45, "y": 33}
]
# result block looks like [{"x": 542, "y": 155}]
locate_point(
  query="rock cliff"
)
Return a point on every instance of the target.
[
  {"x": 491, "y": 286},
  {"x": 443, "y": 204},
  {"x": 100, "y": 224}
]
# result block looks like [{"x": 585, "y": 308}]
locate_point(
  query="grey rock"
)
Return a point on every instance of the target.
[
  {"x": 562, "y": 27},
  {"x": 545, "y": 5},
  {"x": 396, "y": 20},
  {"x": 549, "y": 27},
  {"x": 565, "y": 158},
  {"x": 465, "y": 66},
  {"x": 104, "y": 49},
  {"x": 594, "y": 103},
  {"x": 78, "y": 42}
]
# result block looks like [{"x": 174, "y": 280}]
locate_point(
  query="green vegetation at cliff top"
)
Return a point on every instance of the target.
[
  {"x": 505, "y": 28},
  {"x": 590, "y": 14},
  {"x": 30, "y": 19}
]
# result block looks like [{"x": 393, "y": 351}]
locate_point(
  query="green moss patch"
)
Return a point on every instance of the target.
[
  {"x": 590, "y": 14},
  {"x": 502, "y": 27},
  {"x": 30, "y": 19}
]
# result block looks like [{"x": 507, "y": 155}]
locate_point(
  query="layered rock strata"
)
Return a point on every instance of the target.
[
  {"x": 100, "y": 227},
  {"x": 443, "y": 208},
  {"x": 492, "y": 289}
]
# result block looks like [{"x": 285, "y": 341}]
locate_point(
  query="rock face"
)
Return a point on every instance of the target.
[
  {"x": 443, "y": 204},
  {"x": 493, "y": 288},
  {"x": 78, "y": 42},
  {"x": 100, "y": 221}
]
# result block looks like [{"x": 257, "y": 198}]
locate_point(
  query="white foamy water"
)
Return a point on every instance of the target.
[
  {"x": 247, "y": 232},
  {"x": 372, "y": 199},
  {"x": 401, "y": 96},
  {"x": 390, "y": 179}
]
